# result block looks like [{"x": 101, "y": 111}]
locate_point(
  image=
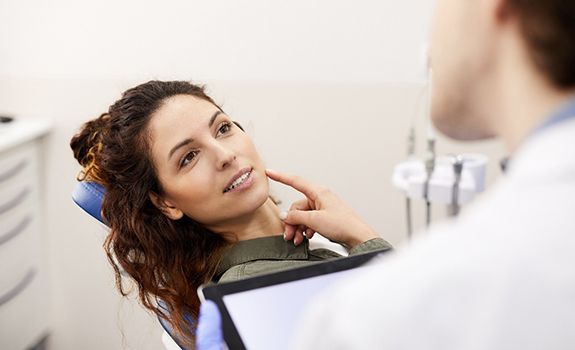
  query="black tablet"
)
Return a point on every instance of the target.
[{"x": 262, "y": 312}]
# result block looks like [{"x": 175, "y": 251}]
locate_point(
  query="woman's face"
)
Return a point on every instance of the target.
[{"x": 208, "y": 168}]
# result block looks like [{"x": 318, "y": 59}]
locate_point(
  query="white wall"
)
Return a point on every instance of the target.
[
  {"x": 325, "y": 88},
  {"x": 295, "y": 40}
]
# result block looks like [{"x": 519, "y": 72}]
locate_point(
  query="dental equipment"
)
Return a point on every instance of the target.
[
  {"x": 447, "y": 184},
  {"x": 410, "y": 153},
  {"x": 411, "y": 143},
  {"x": 457, "y": 170},
  {"x": 453, "y": 180},
  {"x": 431, "y": 155},
  {"x": 429, "y": 168},
  {"x": 504, "y": 164}
]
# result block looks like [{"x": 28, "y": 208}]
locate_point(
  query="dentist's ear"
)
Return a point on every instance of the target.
[
  {"x": 167, "y": 208},
  {"x": 499, "y": 10}
]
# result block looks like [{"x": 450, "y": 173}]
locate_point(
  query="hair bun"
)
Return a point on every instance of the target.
[{"x": 86, "y": 145}]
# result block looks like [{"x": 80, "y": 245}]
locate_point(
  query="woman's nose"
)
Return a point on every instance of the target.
[{"x": 224, "y": 156}]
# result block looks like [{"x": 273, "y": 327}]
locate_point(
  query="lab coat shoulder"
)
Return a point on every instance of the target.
[
  {"x": 502, "y": 276},
  {"x": 396, "y": 302}
]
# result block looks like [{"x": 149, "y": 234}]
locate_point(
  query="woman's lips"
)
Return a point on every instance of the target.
[{"x": 242, "y": 180}]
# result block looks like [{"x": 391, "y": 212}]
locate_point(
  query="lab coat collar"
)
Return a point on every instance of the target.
[
  {"x": 564, "y": 113},
  {"x": 546, "y": 154}
]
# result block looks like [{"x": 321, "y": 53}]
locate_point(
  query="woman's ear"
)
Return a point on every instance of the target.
[{"x": 167, "y": 208}]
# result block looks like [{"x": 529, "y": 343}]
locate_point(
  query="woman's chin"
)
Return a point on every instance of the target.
[
  {"x": 237, "y": 204},
  {"x": 253, "y": 201},
  {"x": 246, "y": 202},
  {"x": 238, "y": 211}
]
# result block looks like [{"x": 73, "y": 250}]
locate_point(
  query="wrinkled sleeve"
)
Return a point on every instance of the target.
[{"x": 372, "y": 245}]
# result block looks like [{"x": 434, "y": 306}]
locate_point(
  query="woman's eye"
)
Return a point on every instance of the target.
[
  {"x": 188, "y": 158},
  {"x": 224, "y": 128}
]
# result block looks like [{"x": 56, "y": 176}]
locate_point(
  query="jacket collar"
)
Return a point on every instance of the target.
[
  {"x": 563, "y": 113},
  {"x": 547, "y": 154},
  {"x": 264, "y": 248}
]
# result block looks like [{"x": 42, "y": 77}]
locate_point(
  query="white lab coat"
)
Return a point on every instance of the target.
[{"x": 500, "y": 277}]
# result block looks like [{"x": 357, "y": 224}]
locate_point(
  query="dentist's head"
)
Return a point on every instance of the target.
[{"x": 499, "y": 66}]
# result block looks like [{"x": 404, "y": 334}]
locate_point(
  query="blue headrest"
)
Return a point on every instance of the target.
[{"x": 89, "y": 195}]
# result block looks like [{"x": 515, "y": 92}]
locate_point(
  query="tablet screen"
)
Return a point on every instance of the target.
[{"x": 266, "y": 318}]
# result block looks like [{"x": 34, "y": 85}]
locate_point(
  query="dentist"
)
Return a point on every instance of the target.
[{"x": 501, "y": 276}]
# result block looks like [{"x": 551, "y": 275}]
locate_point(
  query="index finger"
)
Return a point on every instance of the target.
[{"x": 295, "y": 182}]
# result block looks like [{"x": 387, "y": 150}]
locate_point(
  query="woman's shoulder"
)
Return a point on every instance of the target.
[
  {"x": 258, "y": 268},
  {"x": 270, "y": 264},
  {"x": 375, "y": 244}
]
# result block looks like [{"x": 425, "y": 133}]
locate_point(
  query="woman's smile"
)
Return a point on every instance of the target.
[{"x": 241, "y": 181}]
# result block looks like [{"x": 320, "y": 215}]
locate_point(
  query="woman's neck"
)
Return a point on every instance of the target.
[{"x": 263, "y": 222}]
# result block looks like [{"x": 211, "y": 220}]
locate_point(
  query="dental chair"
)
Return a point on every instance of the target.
[{"x": 88, "y": 196}]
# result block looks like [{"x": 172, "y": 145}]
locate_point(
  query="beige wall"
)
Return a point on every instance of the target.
[{"x": 347, "y": 136}]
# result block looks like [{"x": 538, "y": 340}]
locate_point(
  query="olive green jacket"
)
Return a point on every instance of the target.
[{"x": 271, "y": 254}]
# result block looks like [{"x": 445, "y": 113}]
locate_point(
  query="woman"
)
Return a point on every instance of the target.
[{"x": 187, "y": 199}]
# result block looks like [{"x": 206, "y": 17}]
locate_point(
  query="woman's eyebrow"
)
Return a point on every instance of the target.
[
  {"x": 213, "y": 118},
  {"x": 179, "y": 145},
  {"x": 188, "y": 141}
]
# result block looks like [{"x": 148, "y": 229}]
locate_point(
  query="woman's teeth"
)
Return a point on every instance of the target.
[{"x": 238, "y": 181}]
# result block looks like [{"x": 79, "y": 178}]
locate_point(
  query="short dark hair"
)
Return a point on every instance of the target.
[{"x": 548, "y": 27}]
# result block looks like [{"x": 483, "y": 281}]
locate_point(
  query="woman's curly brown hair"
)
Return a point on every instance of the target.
[{"x": 167, "y": 259}]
